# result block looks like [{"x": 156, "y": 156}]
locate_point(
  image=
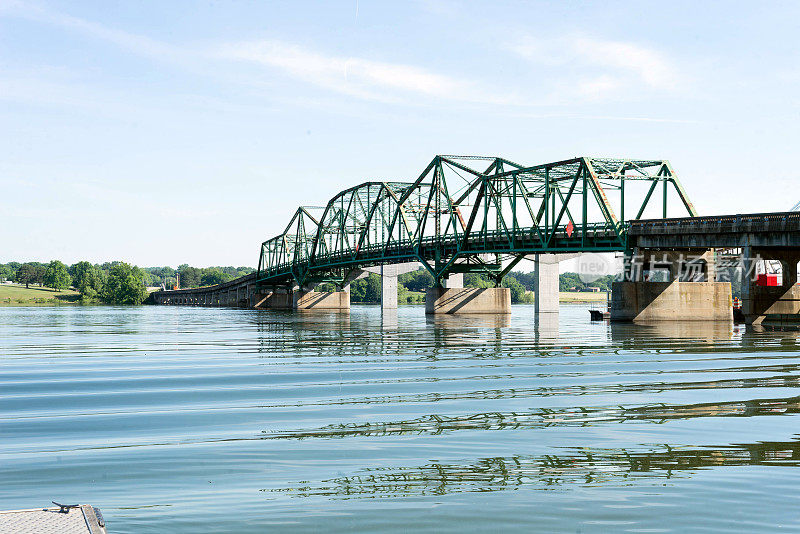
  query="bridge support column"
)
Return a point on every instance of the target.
[
  {"x": 274, "y": 299},
  {"x": 773, "y": 305},
  {"x": 671, "y": 301},
  {"x": 671, "y": 285},
  {"x": 388, "y": 287},
  {"x": 545, "y": 287},
  {"x": 682, "y": 265},
  {"x": 470, "y": 300},
  {"x": 321, "y": 300},
  {"x": 250, "y": 294},
  {"x": 545, "y": 283},
  {"x": 710, "y": 259},
  {"x": 388, "y": 274},
  {"x": 454, "y": 281}
]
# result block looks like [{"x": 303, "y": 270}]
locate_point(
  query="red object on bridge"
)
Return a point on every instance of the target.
[
  {"x": 767, "y": 280},
  {"x": 570, "y": 228}
]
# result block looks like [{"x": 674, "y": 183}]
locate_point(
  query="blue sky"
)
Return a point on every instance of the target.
[{"x": 164, "y": 133}]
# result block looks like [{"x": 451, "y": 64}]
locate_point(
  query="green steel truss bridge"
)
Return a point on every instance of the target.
[{"x": 472, "y": 214}]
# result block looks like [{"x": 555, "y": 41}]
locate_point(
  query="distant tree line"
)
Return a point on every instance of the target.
[
  {"x": 573, "y": 282},
  {"x": 114, "y": 282},
  {"x": 412, "y": 285},
  {"x": 195, "y": 276},
  {"x": 120, "y": 283}
]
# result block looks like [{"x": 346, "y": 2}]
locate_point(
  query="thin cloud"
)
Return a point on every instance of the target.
[
  {"x": 596, "y": 68},
  {"x": 132, "y": 42},
  {"x": 359, "y": 77},
  {"x": 573, "y": 69},
  {"x": 647, "y": 64}
]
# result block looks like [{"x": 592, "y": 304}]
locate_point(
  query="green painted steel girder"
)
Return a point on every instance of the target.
[{"x": 470, "y": 214}]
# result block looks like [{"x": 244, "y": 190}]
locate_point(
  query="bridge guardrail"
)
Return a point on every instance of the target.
[{"x": 754, "y": 222}]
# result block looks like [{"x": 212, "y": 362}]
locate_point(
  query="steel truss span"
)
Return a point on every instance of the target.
[{"x": 472, "y": 214}]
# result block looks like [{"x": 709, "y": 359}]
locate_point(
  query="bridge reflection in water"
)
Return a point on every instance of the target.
[
  {"x": 585, "y": 466},
  {"x": 200, "y": 419},
  {"x": 719, "y": 347}
]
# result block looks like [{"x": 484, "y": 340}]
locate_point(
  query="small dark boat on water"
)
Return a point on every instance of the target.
[{"x": 601, "y": 313}]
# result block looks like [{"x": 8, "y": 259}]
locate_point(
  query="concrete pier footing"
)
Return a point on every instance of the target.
[
  {"x": 274, "y": 300},
  {"x": 761, "y": 302},
  {"x": 671, "y": 301},
  {"x": 302, "y": 300},
  {"x": 322, "y": 300},
  {"x": 468, "y": 300}
]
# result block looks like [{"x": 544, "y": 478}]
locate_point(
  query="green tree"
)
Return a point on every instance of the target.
[
  {"x": 87, "y": 279},
  {"x": 57, "y": 276},
  {"x": 190, "y": 276},
  {"x": 147, "y": 278},
  {"x": 124, "y": 285},
  {"x": 214, "y": 275},
  {"x": 40, "y": 270},
  {"x": 526, "y": 279},
  {"x": 570, "y": 282},
  {"x": 518, "y": 293},
  {"x": 357, "y": 290},
  {"x": 366, "y": 290},
  {"x": 27, "y": 273},
  {"x": 477, "y": 280},
  {"x": 418, "y": 280},
  {"x": 372, "y": 292},
  {"x": 6, "y": 272}
]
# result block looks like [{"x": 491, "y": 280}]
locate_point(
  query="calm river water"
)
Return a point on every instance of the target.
[{"x": 178, "y": 419}]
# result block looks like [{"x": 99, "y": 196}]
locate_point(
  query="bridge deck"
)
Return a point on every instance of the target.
[
  {"x": 595, "y": 238},
  {"x": 765, "y": 230}
]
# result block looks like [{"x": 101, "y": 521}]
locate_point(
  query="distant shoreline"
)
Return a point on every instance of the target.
[{"x": 19, "y": 295}]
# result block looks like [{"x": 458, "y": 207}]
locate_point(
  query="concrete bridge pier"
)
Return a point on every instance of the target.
[
  {"x": 674, "y": 265},
  {"x": 775, "y": 304},
  {"x": 671, "y": 285},
  {"x": 389, "y": 283},
  {"x": 388, "y": 288},
  {"x": 545, "y": 283},
  {"x": 453, "y": 298},
  {"x": 274, "y": 298},
  {"x": 454, "y": 281},
  {"x": 469, "y": 300},
  {"x": 297, "y": 298},
  {"x": 308, "y": 299}
]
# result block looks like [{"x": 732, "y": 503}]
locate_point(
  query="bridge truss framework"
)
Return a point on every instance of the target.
[{"x": 471, "y": 214}]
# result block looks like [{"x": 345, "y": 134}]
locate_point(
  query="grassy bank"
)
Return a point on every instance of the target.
[
  {"x": 580, "y": 296},
  {"x": 19, "y": 295}
]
